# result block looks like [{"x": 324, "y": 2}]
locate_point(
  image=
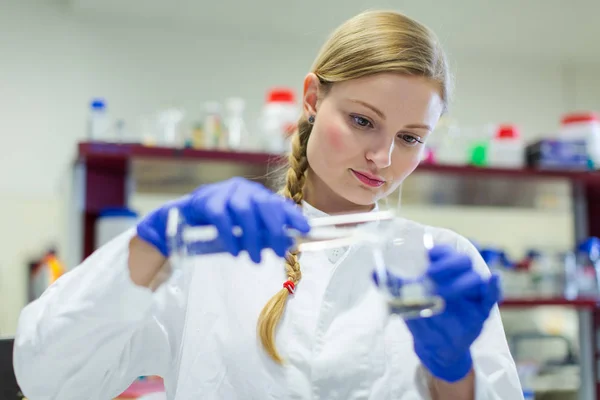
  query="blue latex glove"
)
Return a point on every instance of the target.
[
  {"x": 261, "y": 214},
  {"x": 443, "y": 342}
]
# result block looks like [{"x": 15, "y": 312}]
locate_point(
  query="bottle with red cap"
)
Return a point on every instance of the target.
[
  {"x": 279, "y": 119},
  {"x": 506, "y": 149},
  {"x": 583, "y": 126}
]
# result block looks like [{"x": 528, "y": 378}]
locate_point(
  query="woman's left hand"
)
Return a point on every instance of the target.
[{"x": 443, "y": 341}]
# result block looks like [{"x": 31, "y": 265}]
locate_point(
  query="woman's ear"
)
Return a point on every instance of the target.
[{"x": 311, "y": 95}]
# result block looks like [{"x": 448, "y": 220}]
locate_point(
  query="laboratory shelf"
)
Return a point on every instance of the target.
[
  {"x": 106, "y": 177},
  {"x": 101, "y": 151},
  {"x": 98, "y": 151},
  {"x": 579, "y": 303},
  {"x": 590, "y": 177}
]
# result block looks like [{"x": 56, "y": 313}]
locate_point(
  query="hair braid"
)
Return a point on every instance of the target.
[{"x": 294, "y": 184}]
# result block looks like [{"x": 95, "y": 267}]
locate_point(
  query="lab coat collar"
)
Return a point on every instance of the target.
[
  {"x": 313, "y": 212},
  {"x": 333, "y": 255}
]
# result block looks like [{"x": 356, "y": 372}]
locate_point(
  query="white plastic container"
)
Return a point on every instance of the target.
[
  {"x": 237, "y": 134},
  {"x": 451, "y": 143},
  {"x": 169, "y": 126},
  {"x": 278, "y": 120},
  {"x": 98, "y": 121},
  {"x": 583, "y": 126},
  {"x": 447, "y": 145},
  {"x": 506, "y": 149},
  {"x": 112, "y": 222},
  {"x": 213, "y": 128}
]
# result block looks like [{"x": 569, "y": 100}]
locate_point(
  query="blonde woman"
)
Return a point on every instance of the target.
[{"x": 296, "y": 326}]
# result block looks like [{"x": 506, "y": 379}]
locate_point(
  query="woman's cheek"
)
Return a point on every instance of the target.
[
  {"x": 336, "y": 136},
  {"x": 404, "y": 163},
  {"x": 416, "y": 157}
]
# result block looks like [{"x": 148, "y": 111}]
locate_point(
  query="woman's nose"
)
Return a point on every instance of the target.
[{"x": 381, "y": 153}]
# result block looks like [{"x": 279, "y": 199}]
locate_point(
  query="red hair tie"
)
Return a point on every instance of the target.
[{"x": 289, "y": 285}]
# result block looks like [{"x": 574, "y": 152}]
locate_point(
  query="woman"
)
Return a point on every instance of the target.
[{"x": 312, "y": 326}]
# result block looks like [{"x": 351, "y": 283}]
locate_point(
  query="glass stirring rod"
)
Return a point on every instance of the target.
[{"x": 326, "y": 232}]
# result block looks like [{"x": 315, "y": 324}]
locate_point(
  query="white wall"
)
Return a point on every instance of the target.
[
  {"x": 54, "y": 61},
  {"x": 586, "y": 83}
]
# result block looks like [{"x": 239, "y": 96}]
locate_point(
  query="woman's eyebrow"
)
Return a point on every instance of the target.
[
  {"x": 382, "y": 115},
  {"x": 372, "y": 107},
  {"x": 419, "y": 126}
]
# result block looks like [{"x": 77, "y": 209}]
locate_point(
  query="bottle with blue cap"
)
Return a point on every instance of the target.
[
  {"x": 588, "y": 268},
  {"x": 546, "y": 272},
  {"x": 113, "y": 221},
  {"x": 98, "y": 122},
  {"x": 500, "y": 265}
]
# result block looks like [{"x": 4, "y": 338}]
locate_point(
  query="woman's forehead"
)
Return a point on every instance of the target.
[{"x": 393, "y": 94}]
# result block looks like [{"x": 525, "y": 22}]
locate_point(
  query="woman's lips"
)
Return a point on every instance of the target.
[{"x": 368, "y": 179}]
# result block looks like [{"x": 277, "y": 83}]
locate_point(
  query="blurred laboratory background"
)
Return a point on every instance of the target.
[{"x": 109, "y": 108}]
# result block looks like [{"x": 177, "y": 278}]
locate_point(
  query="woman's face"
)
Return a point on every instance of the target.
[{"x": 367, "y": 137}]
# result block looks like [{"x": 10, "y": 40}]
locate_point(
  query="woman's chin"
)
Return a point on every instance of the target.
[{"x": 362, "y": 197}]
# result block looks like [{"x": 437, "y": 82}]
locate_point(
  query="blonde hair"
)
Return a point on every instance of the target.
[{"x": 369, "y": 43}]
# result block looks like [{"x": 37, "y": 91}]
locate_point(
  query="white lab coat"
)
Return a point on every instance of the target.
[{"x": 93, "y": 332}]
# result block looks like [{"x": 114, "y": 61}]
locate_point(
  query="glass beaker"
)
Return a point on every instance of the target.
[{"x": 401, "y": 262}]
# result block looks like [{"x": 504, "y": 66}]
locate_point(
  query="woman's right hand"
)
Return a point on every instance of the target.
[{"x": 261, "y": 214}]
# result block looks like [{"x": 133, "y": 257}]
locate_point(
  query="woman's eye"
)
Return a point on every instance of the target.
[
  {"x": 409, "y": 139},
  {"x": 361, "y": 121}
]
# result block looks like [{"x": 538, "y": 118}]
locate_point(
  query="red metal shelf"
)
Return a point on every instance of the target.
[
  {"x": 588, "y": 303},
  {"x": 98, "y": 152},
  {"x": 576, "y": 176},
  {"x": 109, "y": 152}
]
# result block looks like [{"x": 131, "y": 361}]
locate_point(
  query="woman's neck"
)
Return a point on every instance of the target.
[{"x": 321, "y": 197}]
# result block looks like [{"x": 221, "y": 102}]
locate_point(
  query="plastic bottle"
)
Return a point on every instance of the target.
[
  {"x": 236, "y": 127},
  {"x": 98, "y": 122},
  {"x": 586, "y": 127},
  {"x": 168, "y": 124},
  {"x": 528, "y": 372},
  {"x": 514, "y": 281},
  {"x": 478, "y": 154},
  {"x": 546, "y": 274},
  {"x": 197, "y": 140},
  {"x": 120, "y": 132},
  {"x": 279, "y": 119},
  {"x": 588, "y": 268},
  {"x": 571, "y": 286},
  {"x": 449, "y": 144},
  {"x": 112, "y": 222},
  {"x": 44, "y": 274},
  {"x": 506, "y": 149},
  {"x": 214, "y": 134},
  {"x": 496, "y": 261},
  {"x": 478, "y": 142}
]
